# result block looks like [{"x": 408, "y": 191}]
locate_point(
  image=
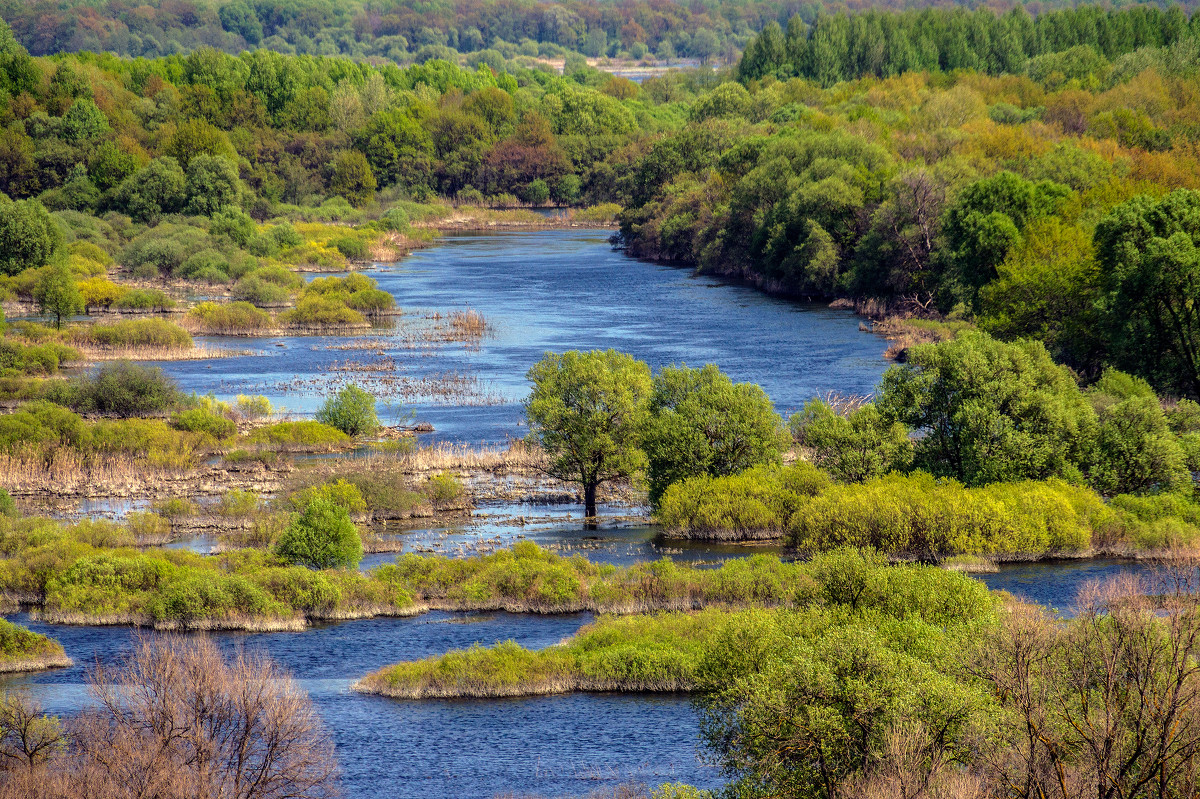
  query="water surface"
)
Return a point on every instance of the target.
[{"x": 553, "y": 290}]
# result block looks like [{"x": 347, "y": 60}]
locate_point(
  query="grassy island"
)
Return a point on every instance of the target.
[
  {"x": 24, "y": 650},
  {"x": 844, "y": 593}
]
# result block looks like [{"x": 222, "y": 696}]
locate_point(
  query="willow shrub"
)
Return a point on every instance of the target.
[
  {"x": 918, "y": 514},
  {"x": 134, "y": 333},
  {"x": 755, "y": 503}
]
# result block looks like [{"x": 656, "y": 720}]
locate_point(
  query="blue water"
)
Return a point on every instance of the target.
[
  {"x": 555, "y": 746},
  {"x": 554, "y": 290}
]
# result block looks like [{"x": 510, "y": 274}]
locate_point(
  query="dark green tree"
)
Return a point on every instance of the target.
[
  {"x": 987, "y": 411},
  {"x": 29, "y": 237},
  {"x": 855, "y": 446},
  {"x": 212, "y": 184},
  {"x": 985, "y": 222},
  {"x": 702, "y": 423},
  {"x": 1149, "y": 254},
  {"x": 587, "y": 411}
]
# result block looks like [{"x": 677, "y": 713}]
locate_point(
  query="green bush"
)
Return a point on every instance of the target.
[
  {"x": 353, "y": 247},
  {"x": 322, "y": 537},
  {"x": 34, "y": 359},
  {"x": 444, "y": 489},
  {"x": 756, "y": 503},
  {"x": 135, "y": 333},
  {"x": 254, "y": 407},
  {"x": 317, "y": 311},
  {"x": 121, "y": 388},
  {"x": 176, "y": 508},
  {"x": 351, "y": 410},
  {"x": 41, "y": 422},
  {"x": 201, "y": 420},
  {"x": 19, "y": 643},
  {"x": 254, "y": 289},
  {"x": 339, "y": 492},
  {"x": 919, "y": 515},
  {"x": 8, "y": 506},
  {"x": 144, "y": 300}
]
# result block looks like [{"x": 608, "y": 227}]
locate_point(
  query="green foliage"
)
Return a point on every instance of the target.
[
  {"x": 444, "y": 489},
  {"x": 987, "y": 221},
  {"x": 1137, "y": 452},
  {"x": 322, "y": 537},
  {"x": 317, "y": 311},
  {"x": 232, "y": 318},
  {"x": 120, "y": 388},
  {"x": 20, "y": 644},
  {"x": 987, "y": 411},
  {"x": 918, "y": 516},
  {"x": 700, "y": 422},
  {"x": 307, "y": 433},
  {"x": 855, "y": 447},
  {"x": 201, "y": 420},
  {"x": 351, "y": 410},
  {"x": 57, "y": 295},
  {"x": 587, "y": 410},
  {"x": 1147, "y": 249},
  {"x": 921, "y": 609},
  {"x": 756, "y": 503},
  {"x": 157, "y": 333},
  {"x": 29, "y": 238},
  {"x": 339, "y": 492},
  {"x": 254, "y": 407}
]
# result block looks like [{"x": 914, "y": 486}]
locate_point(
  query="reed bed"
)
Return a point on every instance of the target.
[
  {"x": 516, "y": 456},
  {"x": 66, "y": 472},
  {"x": 201, "y": 352}
]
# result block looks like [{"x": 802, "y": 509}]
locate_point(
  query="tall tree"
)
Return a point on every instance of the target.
[
  {"x": 1149, "y": 253},
  {"x": 587, "y": 410}
]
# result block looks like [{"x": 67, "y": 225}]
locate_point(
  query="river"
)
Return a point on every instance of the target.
[
  {"x": 547, "y": 290},
  {"x": 550, "y": 290}
]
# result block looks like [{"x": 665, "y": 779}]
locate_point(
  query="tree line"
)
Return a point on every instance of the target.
[{"x": 836, "y": 47}]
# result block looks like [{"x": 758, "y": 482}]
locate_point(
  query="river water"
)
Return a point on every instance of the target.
[
  {"x": 550, "y": 290},
  {"x": 547, "y": 290}
]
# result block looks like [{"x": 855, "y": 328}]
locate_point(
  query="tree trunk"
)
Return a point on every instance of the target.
[{"x": 589, "y": 500}]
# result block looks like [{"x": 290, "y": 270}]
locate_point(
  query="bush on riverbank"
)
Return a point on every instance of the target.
[
  {"x": 320, "y": 312},
  {"x": 918, "y": 515},
  {"x": 157, "y": 333},
  {"x": 302, "y": 434},
  {"x": 120, "y": 388},
  {"x": 756, "y": 503}
]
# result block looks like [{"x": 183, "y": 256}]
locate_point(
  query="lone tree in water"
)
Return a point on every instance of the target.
[{"x": 587, "y": 410}]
